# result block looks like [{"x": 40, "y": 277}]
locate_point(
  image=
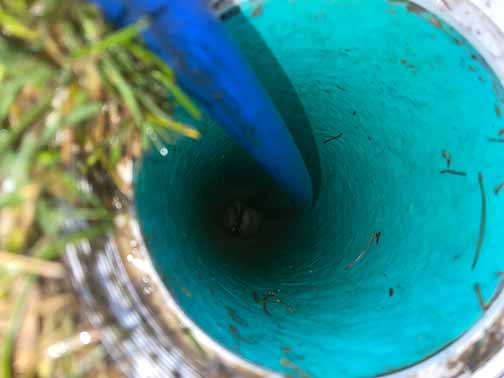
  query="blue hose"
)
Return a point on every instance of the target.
[{"x": 186, "y": 35}]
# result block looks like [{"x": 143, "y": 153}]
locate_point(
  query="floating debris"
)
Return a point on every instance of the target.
[
  {"x": 378, "y": 236},
  {"x": 482, "y": 222},
  {"x": 233, "y": 329},
  {"x": 481, "y": 301},
  {"x": 238, "y": 337},
  {"x": 286, "y": 305},
  {"x": 496, "y": 140},
  {"x": 286, "y": 349},
  {"x": 182, "y": 288},
  {"x": 272, "y": 294},
  {"x": 186, "y": 291},
  {"x": 233, "y": 315},
  {"x": 500, "y": 286},
  {"x": 364, "y": 251},
  {"x": 447, "y": 157},
  {"x": 391, "y": 292},
  {"x": 499, "y": 188},
  {"x": 498, "y": 111},
  {"x": 458, "y": 41},
  {"x": 291, "y": 365},
  {"x": 408, "y": 65},
  {"x": 337, "y": 136},
  {"x": 267, "y": 296},
  {"x": 452, "y": 172},
  {"x": 498, "y": 90},
  {"x": 414, "y": 8}
]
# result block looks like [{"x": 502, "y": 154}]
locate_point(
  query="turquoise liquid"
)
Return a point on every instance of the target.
[{"x": 394, "y": 89}]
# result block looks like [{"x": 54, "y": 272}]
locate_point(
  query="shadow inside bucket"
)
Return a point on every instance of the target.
[{"x": 279, "y": 87}]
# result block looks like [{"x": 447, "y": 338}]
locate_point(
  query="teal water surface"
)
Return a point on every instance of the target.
[{"x": 374, "y": 94}]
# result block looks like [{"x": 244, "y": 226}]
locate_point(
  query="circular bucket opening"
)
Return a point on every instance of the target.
[{"x": 399, "y": 120}]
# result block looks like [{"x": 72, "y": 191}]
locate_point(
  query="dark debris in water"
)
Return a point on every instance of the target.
[
  {"x": 481, "y": 301},
  {"x": 447, "y": 157},
  {"x": 300, "y": 373},
  {"x": 414, "y": 8},
  {"x": 256, "y": 297},
  {"x": 435, "y": 21},
  {"x": 233, "y": 315},
  {"x": 452, "y": 172},
  {"x": 363, "y": 252},
  {"x": 258, "y": 11},
  {"x": 498, "y": 111},
  {"x": 378, "y": 236},
  {"x": 337, "y": 136},
  {"x": 482, "y": 221},
  {"x": 498, "y": 188},
  {"x": 274, "y": 295},
  {"x": 496, "y": 140}
]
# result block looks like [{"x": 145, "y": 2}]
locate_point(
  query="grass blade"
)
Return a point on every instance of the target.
[
  {"x": 178, "y": 95},
  {"x": 114, "y": 39},
  {"x": 124, "y": 89},
  {"x": 174, "y": 126}
]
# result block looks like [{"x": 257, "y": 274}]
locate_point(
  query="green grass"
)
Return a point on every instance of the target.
[{"x": 76, "y": 98}]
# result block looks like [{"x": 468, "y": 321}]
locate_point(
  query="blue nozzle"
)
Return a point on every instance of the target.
[{"x": 186, "y": 35}]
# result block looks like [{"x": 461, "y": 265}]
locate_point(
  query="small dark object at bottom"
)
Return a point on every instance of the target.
[
  {"x": 496, "y": 140},
  {"x": 337, "y": 136},
  {"x": 452, "y": 172},
  {"x": 481, "y": 301},
  {"x": 241, "y": 221},
  {"x": 482, "y": 221}
]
